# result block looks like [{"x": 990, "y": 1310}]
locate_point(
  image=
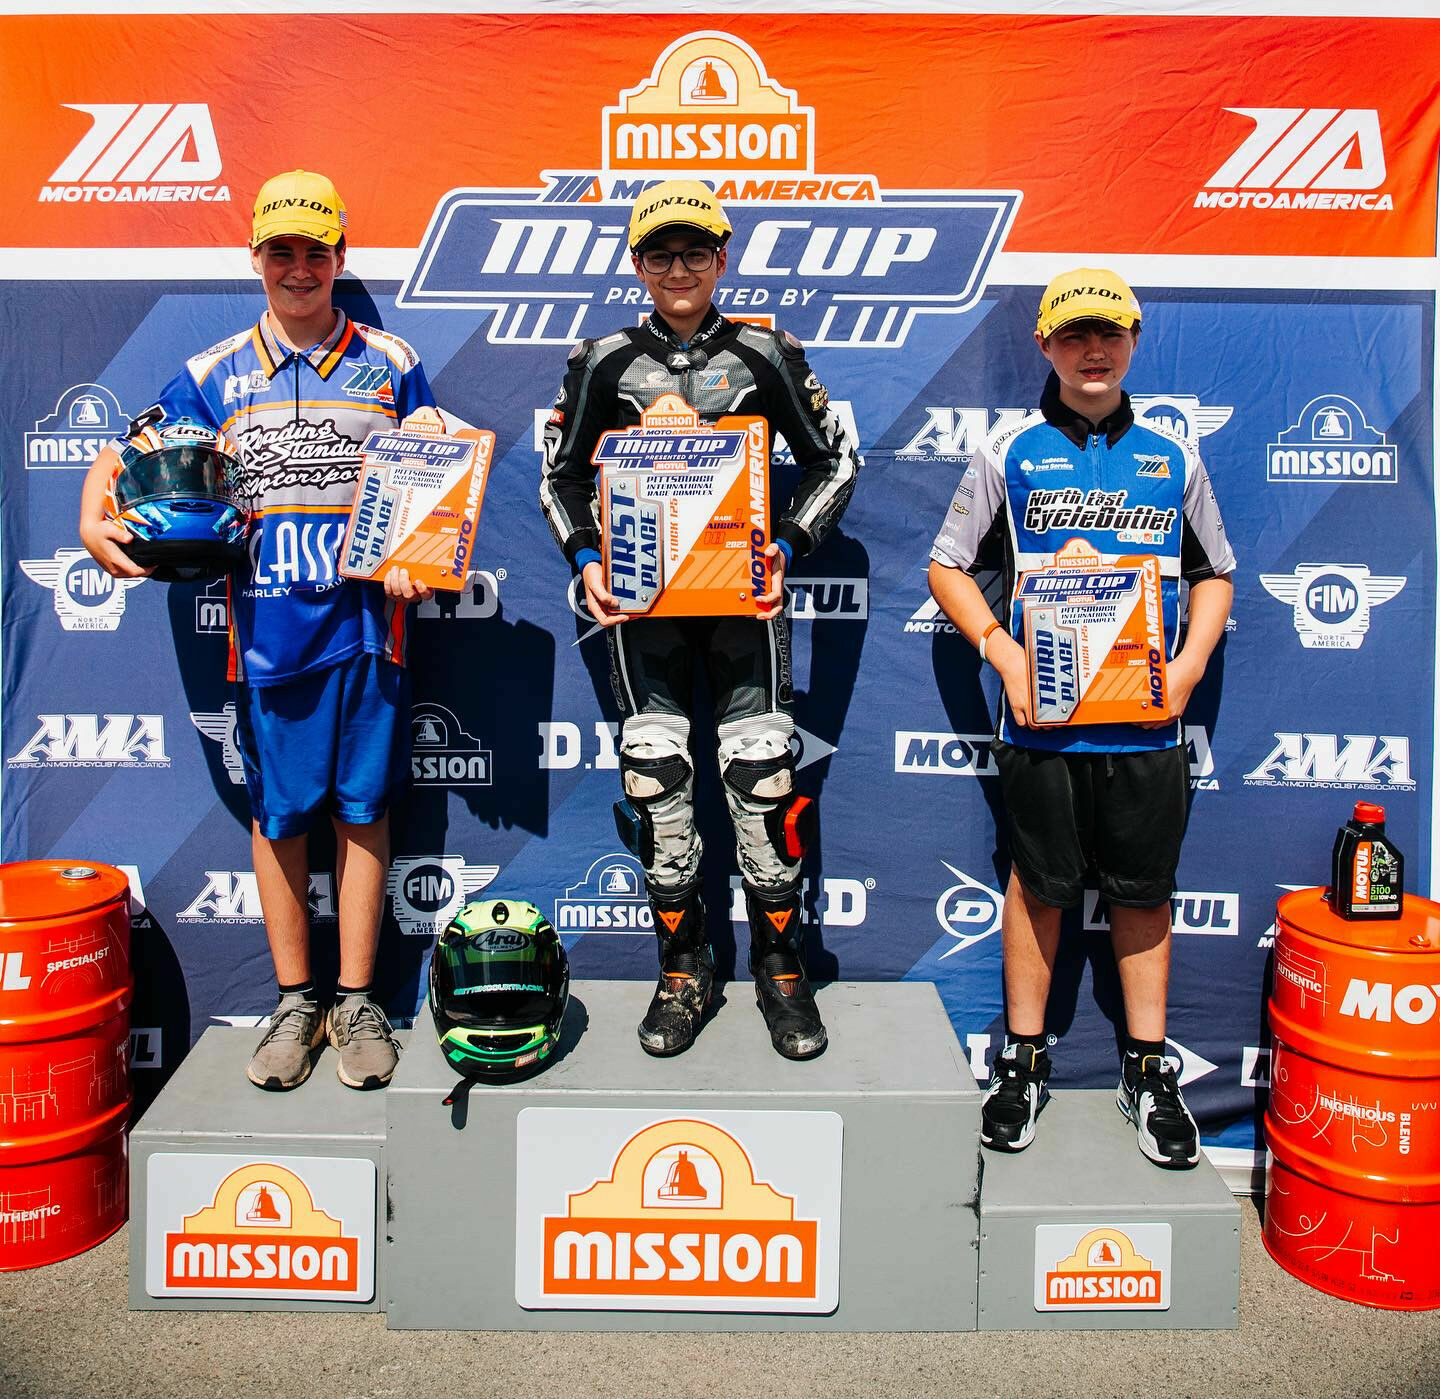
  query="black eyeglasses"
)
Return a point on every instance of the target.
[{"x": 657, "y": 261}]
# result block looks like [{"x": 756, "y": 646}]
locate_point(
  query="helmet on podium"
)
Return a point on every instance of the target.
[{"x": 499, "y": 984}]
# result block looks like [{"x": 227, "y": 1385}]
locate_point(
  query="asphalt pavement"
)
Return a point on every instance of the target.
[{"x": 66, "y": 1331}]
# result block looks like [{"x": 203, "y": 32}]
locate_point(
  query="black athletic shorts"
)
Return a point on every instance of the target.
[{"x": 1114, "y": 820}]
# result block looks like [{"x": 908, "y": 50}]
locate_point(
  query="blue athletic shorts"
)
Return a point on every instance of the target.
[{"x": 336, "y": 741}]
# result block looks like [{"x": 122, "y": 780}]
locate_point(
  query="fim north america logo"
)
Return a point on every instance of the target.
[
  {"x": 86, "y": 597},
  {"x": 1332, "y": 443},
  {"x": 427, "y": 891},
  {"x": 846, "y": 263},
  {"x": 1331, "y": 602}
]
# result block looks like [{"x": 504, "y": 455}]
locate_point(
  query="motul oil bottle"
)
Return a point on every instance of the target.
[{"x": 1367, "y": 873}]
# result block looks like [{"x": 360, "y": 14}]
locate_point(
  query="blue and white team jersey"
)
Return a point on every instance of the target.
[
  {"x": 300, "y": 419},
  {"x": 1124, "y": 489}
]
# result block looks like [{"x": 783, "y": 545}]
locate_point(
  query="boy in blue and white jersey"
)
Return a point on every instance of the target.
[
  {"x": 322, "y": 698},
  {"x": 1107, "y": 802}
]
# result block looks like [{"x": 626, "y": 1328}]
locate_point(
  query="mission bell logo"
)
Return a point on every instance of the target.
[
  {"x": 685, "y": 1214},
  {"x": 681, "y": 1216},
  {"x": 1102, "y": 1270},
  {"x": 264, "y": 1233}
]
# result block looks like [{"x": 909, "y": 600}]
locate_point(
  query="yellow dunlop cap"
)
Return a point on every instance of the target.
[
  {"x": 299, "y": 202},
  {"x": 1087, "y": 293},
  {"x": 677, "y": 204}
]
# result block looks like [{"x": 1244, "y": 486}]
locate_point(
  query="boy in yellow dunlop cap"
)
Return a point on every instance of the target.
[
  {"x": 1083, "y": 801},
  {"x": 678, "y": 237},
  {"x": 322, "y": 697}
]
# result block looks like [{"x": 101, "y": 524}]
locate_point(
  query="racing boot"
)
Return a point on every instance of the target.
[
  {"x": 777, "y": 962},
  {"x": 687, "y": 974}
]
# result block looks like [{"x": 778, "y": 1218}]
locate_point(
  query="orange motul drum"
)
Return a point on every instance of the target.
[
  {"x": 64, "y": 1067},
  {"x": 1352, "y": 1201}
]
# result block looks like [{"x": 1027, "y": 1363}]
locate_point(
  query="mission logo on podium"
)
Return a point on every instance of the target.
[
  {"x": 621, "y": 1210},
  {"x": 232, "y": 1226}
]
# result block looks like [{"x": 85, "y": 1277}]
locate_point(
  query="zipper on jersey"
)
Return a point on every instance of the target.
[{"x": 296, "y": 357}]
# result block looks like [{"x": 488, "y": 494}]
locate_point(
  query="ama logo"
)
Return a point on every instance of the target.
[
  {"x": 233, "y": 896},
  {"x": 956, "y": 434},
  {"x": 609, "y": 899},
  {"x": 1316, "y": 760},
  {"x": 86, "y": 597},
  {"x": 1331, "y": 602},
  {"x": 846, "y": 264},
  {"x": 86, "y": 418},
  {"x": 83, "y": 741},
  {"x": 1332, "y": 444},
  {"x": 427, "y": 891}
]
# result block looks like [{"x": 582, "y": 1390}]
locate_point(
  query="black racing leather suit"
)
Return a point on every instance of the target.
[{"x": 727, "y": 367}]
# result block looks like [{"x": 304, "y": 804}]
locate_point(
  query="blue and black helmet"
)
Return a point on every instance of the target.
[{"x": 177, "y": 490}]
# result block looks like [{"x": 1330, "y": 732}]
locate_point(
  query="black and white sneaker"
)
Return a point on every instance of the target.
[
  {"x": 1149, "y": 1095},
  {"x": 1016, "y": 1095}
]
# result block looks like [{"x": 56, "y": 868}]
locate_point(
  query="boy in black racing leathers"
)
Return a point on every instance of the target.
[{"x": 677, "y": 240}]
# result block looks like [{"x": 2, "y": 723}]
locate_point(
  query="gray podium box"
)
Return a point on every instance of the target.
[
  {"x": 209, "y": 1108},
  {"x": 1084, "y": 1173},
  {"x": 894, "y": 1073}
]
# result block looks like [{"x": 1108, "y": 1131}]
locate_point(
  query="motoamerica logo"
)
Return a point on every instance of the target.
[
  {"x": 276, "y": 457},
  {"x": 850, "y": 264},
  {"x": 86, "y": 597}
]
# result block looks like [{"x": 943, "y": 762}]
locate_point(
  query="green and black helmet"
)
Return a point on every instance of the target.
[{"x": 499, "y": 982}]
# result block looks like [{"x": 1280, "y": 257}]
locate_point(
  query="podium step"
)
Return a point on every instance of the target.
[
  {"x": 1080, "y": 1231},
  {"x": 724, "y": 1189},
  {"x": 242, "y": 1200}
]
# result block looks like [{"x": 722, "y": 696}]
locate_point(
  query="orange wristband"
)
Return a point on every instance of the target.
[{"x": 984, "y": 637}]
